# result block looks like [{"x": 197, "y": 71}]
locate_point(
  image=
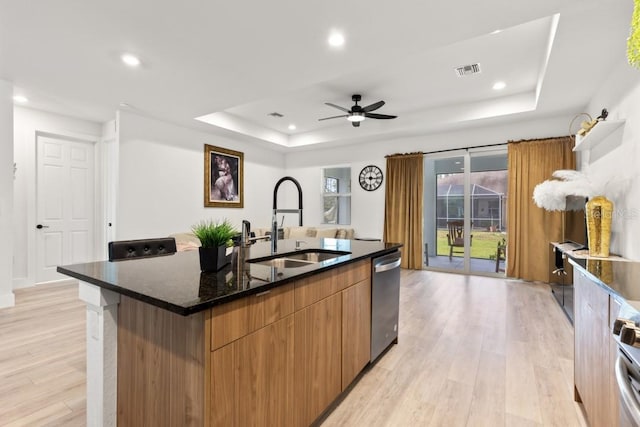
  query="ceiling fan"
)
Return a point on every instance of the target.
[{"x": 357, "y": 113}]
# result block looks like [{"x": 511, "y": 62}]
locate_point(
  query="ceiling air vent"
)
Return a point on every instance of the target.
[
  {"x": 467, "y": 70},
  {"x": 275, "y": 114}
]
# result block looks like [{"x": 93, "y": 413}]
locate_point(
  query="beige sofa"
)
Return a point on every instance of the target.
[
  {"x": 305, "y": 231},
  {"x": 189, "y": 242},
  {"x": 186, "y": 241}
]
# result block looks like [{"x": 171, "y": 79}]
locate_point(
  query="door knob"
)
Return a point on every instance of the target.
[{"x": 40, "y": 226}]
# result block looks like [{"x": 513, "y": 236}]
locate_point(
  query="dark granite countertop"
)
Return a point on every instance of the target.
[
  {"x": 620, "y": 277},
  {"x": 174, "y": 282}
]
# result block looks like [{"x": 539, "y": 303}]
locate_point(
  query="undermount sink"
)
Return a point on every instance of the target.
[
  {"x": 284, "y": 263},
  {"x": 316, "y": 256},
  {"x": 299, "y": 258}
]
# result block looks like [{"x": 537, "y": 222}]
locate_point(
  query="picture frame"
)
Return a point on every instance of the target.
[{"x": 223, "y": 177}]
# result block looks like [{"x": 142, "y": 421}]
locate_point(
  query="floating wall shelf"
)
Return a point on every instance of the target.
[{"x": 597, "y": 134}]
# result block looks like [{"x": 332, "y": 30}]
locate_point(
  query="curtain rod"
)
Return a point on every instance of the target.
[
  {"x": 464, "y": 148},
  {"x": 476, "y": 146},
  {"x": 422, "y": 153}
]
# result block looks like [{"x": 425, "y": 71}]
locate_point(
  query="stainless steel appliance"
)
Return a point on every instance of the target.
[
  {"x": 628, "y": 379},
  {"x": 563, "y": 292},
  {"x": 627, "y": 367},
  {"x": 385, "y": 302}
]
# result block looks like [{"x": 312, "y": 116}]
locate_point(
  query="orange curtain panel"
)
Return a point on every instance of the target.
[
  {"x": 532, "y": 228},
  {"x": 403, "y": 207}
]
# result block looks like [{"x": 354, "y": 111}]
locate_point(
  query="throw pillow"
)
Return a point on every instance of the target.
[{"x": 326, "y": 232}]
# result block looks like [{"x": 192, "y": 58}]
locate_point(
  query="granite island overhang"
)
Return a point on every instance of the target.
[
  {"x": 194, "y": 328},
  {"x": 174, "y": 282}
]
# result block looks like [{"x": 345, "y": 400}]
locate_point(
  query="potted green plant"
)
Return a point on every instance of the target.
[{"x": 215, "y": 237}]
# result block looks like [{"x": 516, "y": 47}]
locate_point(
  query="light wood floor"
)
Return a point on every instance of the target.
[
  {"x": 473, "y": 351},
  {"x": 42, "y": 358}
]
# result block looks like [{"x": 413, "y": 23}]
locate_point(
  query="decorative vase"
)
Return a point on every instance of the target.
[
  {"x": 599, "y": 212},
  {"x": 213, "y": 259}
]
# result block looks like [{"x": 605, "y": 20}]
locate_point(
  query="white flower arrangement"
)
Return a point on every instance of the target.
[{"x": 560, "y": 194}]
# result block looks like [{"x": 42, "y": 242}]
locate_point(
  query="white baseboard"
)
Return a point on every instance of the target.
[
  {"x": 58, "y": 281},
  {"x": 7, "y": 300}
]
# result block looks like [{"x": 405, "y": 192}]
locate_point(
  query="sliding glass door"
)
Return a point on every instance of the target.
[{"x": 465, "y": 226}]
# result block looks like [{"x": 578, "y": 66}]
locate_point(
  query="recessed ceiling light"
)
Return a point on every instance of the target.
[
  {"x": 130, "y": 60},
  {"x": 499, "y": 85},
  {"x": 292, "y": 127},
  {"x": 336, "y": 39},
  {"x": 21, "y": 99},
  {"x": 495, "y": 32}
]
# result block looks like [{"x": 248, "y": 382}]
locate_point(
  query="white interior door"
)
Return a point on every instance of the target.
[{"x": 65, "y": 205}]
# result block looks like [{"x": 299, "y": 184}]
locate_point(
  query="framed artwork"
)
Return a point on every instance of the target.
[{"x": 223, "y": 177}]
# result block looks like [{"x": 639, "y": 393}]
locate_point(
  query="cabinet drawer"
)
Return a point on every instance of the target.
[
  {"x": 241, "y": 317},
  {"x": 353, "y": 273},
  {"x": 278, "y": 303},
  {"x": 314, "y": 288}
]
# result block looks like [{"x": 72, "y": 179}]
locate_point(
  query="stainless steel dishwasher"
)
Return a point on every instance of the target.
[{"x": 385, "y": 302}]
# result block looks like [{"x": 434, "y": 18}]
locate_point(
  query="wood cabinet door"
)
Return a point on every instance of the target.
[
  {"x": 265, "y": 376},
  {"x": 223, "y": 387},
  {"x": 614, "y": 308},
  {"x": 252, "y": 378},
  {"x": 582, "y": 324},
  {"x": 356, "y": 330},
  {"x": 317, "y": 365},
  {"x": 592, "y": 344}
]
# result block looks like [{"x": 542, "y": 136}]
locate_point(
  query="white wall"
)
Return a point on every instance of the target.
[
  {"x": 6, "y": 194},
  {"x": 161, "y": 179},
  {"x": 367, "y": 207},
  {"x": 28, "y": 124},
  {"x": 614, "y": 165}
]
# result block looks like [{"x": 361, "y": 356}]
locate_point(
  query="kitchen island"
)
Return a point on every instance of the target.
[{"x": 254, "y": 344}]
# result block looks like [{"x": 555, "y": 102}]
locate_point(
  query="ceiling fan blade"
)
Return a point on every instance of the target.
[
  {"x": 379, "y": 116},
  {"x": 337, "y": 106},
  {"x": 333, "y": 117},
  {"x": 373, "y": 106},
  {"x": 355, "y": 124}
]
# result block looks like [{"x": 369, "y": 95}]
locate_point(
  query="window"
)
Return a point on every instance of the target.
[
  {"x": 330, "y": 185},
  {"x": 336, "y": 195}
]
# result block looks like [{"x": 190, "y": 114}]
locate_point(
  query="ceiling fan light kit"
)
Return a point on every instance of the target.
[
  {"x": 356, "y": 117},
  {"x": 357, "y": 113}
]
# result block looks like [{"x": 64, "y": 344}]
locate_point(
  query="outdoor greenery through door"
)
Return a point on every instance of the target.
[{"x": 483, "y": 192}]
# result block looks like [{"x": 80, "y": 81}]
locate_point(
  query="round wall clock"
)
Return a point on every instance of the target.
[{"x": 370, "y": 178}]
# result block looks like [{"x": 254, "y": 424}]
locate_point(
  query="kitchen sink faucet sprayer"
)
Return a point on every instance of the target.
[{"x": 276, "y": 211}]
